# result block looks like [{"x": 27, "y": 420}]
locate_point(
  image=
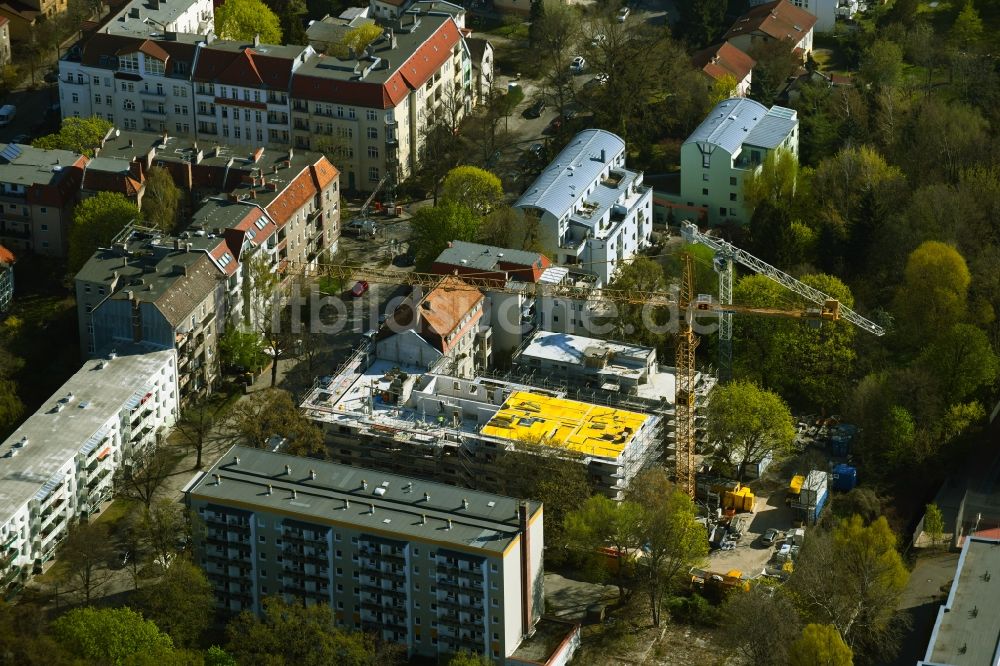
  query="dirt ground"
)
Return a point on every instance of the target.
[{"x": 750, "y": 556}]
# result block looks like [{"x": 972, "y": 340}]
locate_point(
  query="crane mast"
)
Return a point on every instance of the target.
[{"x": 725, "y": 255}]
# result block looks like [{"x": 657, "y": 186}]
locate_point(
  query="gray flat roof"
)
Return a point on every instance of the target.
[
  {"x": 967, "y": 630},
  {"x": 485, "y": 257},
  {"x": 33, "y": 166},
  {"x": 567, "y": 348},
  {"x": 345, "y": 495},
  {"x": 54, "y": 437},
  {"x": 565, "y": 180}
]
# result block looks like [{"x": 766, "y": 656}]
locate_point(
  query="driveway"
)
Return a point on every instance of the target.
[{"x": 927, "y": 588}]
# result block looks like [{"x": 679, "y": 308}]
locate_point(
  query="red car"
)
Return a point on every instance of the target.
[{"x": 359, "y": 288}]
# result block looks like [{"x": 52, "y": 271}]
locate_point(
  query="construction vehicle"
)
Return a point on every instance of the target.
[{"x": 725, "y": 255}]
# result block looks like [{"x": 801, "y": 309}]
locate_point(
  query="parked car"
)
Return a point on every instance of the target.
[
  {"x": 535, "y": 110},
  {"x": 536, "y": 149},
  {"x": 623, "y": 14},
  {"x": 578, "y": 65},
  {"x": 21, "y": 139},
  {"x": 770, "y": 537},
  {"x": 359, "y": 289},
  {"x": 51, "y": 77}
]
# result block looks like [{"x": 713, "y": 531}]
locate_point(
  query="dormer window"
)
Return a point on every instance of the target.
[
  {"x": 129, "y": 63},
  {"x": 153, "y": 66}
]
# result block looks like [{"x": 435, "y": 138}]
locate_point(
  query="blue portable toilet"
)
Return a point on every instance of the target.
[{"x": 845, "y": 477}]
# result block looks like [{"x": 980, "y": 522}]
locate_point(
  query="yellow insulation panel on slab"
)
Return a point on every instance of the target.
[{"x": 593, "y": 430}]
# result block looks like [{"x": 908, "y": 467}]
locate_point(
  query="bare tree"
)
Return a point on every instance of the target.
[
  {"x": 140, "y": 480},
  {"x": 162, "y": 527},
  {"x": 196, "y": 424},
  {"x": 85, "y": 554}
]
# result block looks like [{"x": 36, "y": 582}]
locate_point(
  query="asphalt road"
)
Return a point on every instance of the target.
[{"x": 35, "y": 116}]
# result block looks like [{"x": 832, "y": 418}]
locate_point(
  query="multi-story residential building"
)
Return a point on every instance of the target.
[
  {"x": 825, "y": 11},
  {"x": 328, "y": 33},
  {"x": 160, "y": 292},
  {"x": 724, "y": 61},
  {"x": 440, "y": 329},
  {"x": 481, "y": 52},
  {"x": 4, "y": 41},
  {"x": 59, "y": 464},
  {"x": 385, "y": 415},
  {"x": 967, "y": 627},
  {"x": 779, "y": 20},
  {"x": 590, "y": 208},
  {"x": 38, "y": 190},
  {"x": 372, "y": 110},
  {"x": 241, "y": 92},
  {"x": 25, "y": 15},
  {"x": 134, "y": 82},
  {"x": 731, "y": 142},
  {"x": 154, "y": 18},
  {"x": 7, "y": 261},
  {"x": 431, "y": 567}
]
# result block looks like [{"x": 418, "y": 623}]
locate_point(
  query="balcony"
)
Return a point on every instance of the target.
[
  {"x": 153, "y": 93},
  {"x": 302, "y": 125},
  {"x": 277, "y": 118},
  {"x": 146, "y": 111},
  {"x": 276, "y": 98},
  {"x": 206, "y": 111},
  {"x": 7, "y": 231}
]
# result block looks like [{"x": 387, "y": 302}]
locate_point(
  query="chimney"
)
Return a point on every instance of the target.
[
  {"x": 347, "y": 503},
  {"x": 199, "y": 156},
  {"x": 218, "y": 479},
  {"x": 163, "y": 139},
  {"x": 364, "y": 484},
  {"x": 465, "y": 503},
  {"x": 270, "y": 489},
  {"x": 288, "y": 470},
  {"x": 293, "y": 493},
  {"x": 291, "y": 154},
  {"x": 371, "y": 510},
  {"x": 522, "y": 515},
  {"x": 177, "y": 244},
  {"x": 187, "y": 247},
  {"x": 603, "y": 155},
  {"x": 256, "y": 40},
  {"x": 427, "y": 497},
  {"x": 131, "y": 143},
  {"x": 236, "y": 460},
  {"x": 312, "y": 475},
  {"x": 423, "y": 519}
]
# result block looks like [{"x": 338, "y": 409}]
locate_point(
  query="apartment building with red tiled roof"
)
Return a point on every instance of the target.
[
  {"x": 725, "y": 60},
  {"x": 779, "y": 20}
]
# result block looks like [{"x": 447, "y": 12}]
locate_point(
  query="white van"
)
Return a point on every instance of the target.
[{"x": 7, "y": 113}]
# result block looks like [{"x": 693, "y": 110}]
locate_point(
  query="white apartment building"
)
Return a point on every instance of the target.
[
  {"x": 434, "y": 568},
  {"x": 373, "y": 108},
  {"x": 593, "y": 210},
  {"x": 134, "y": 82},
  {"x": 153, "y": 18},
  {"x": 59, "y": 464},
  {"x": 731, "y": 142}
]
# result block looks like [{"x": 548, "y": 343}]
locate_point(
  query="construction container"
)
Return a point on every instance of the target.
[
  {"x": 815, "y": 486},
  {"x": 841, "y": 437},
  {"x": 815, "y": 511},
  {"x": 794, "y": 488},
  {"x": 845, "y": 477},
  {"x": 746, "y": 499}
]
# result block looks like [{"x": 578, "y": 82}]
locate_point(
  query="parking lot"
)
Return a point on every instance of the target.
[{"x": 750, "y": 555}]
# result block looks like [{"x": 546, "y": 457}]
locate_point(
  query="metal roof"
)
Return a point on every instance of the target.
[
  {"x": 566, "y": 179},
  {"x": 361, "y": 498},
  {"x": 730, "y": 123},
  {"x": 53, "y": 435},
  {"x": 967, "y": 629},
  {"x": 567, "y": 348},
  {"x": 773, "y": 128}
]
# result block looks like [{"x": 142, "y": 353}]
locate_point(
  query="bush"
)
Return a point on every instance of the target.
[{"x": 694, "y": 609}]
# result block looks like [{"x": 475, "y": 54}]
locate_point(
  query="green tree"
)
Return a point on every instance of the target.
[
  {"x": 243, "y": 19},
  {"x": 11, "y": 407},
  {"x": 477, "y": 189},
  {"x": 776, "y": 62},
  {"x": 882, "y": 64},
  {"x": 934, "y": 293},
  {"x": 766, "y": 346},
  {"x": 357, "y": 39},
  {"x": 290, "y": 15},
  {"x": 241, "y": 349},
  {"x": 25, "y": 639},
  {"x": 435, "y": 227},
  {"x": 216, "y": 656},
  {"x": 701, "y": 21},
  {"x": 85, "y": 555},
  {"x": 253, "y": 421},
  {"x": 466, "y": 658},
  {"x": 966, "y": 32},
  {"x": 602, "y": 523},
  {"x": 161, "y": 200},
  {"x": 774, "y": 182},
  {"x": 96, "y": 220},
  {"x": 160, "y": 528},
  {"x": 852, "y": 579},
  {"x": 181, "y": 603},
  {"x": 506, "y": 227},
  {"x": 750, "y": 423},
  {"x": 722, "y": 89},
  {"x": 640, "y": 323},
  {"x": 933, "y": 523},
  {"x": 79, "y": 135},
  {"x": 295, "y": 634},
  {"x": 672, "y": 539},
  {"x": 774, "y": 236},
  {"x": 195, "y": 426},
  {"x": 820, "y": 645},
  {"x": 761, "y": 624},
  {"x": 963, "y": 361},
  {"x": 109, "y": 635}
]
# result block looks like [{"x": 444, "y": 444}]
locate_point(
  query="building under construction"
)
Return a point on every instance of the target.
[{"x": 379, "y": 415}]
